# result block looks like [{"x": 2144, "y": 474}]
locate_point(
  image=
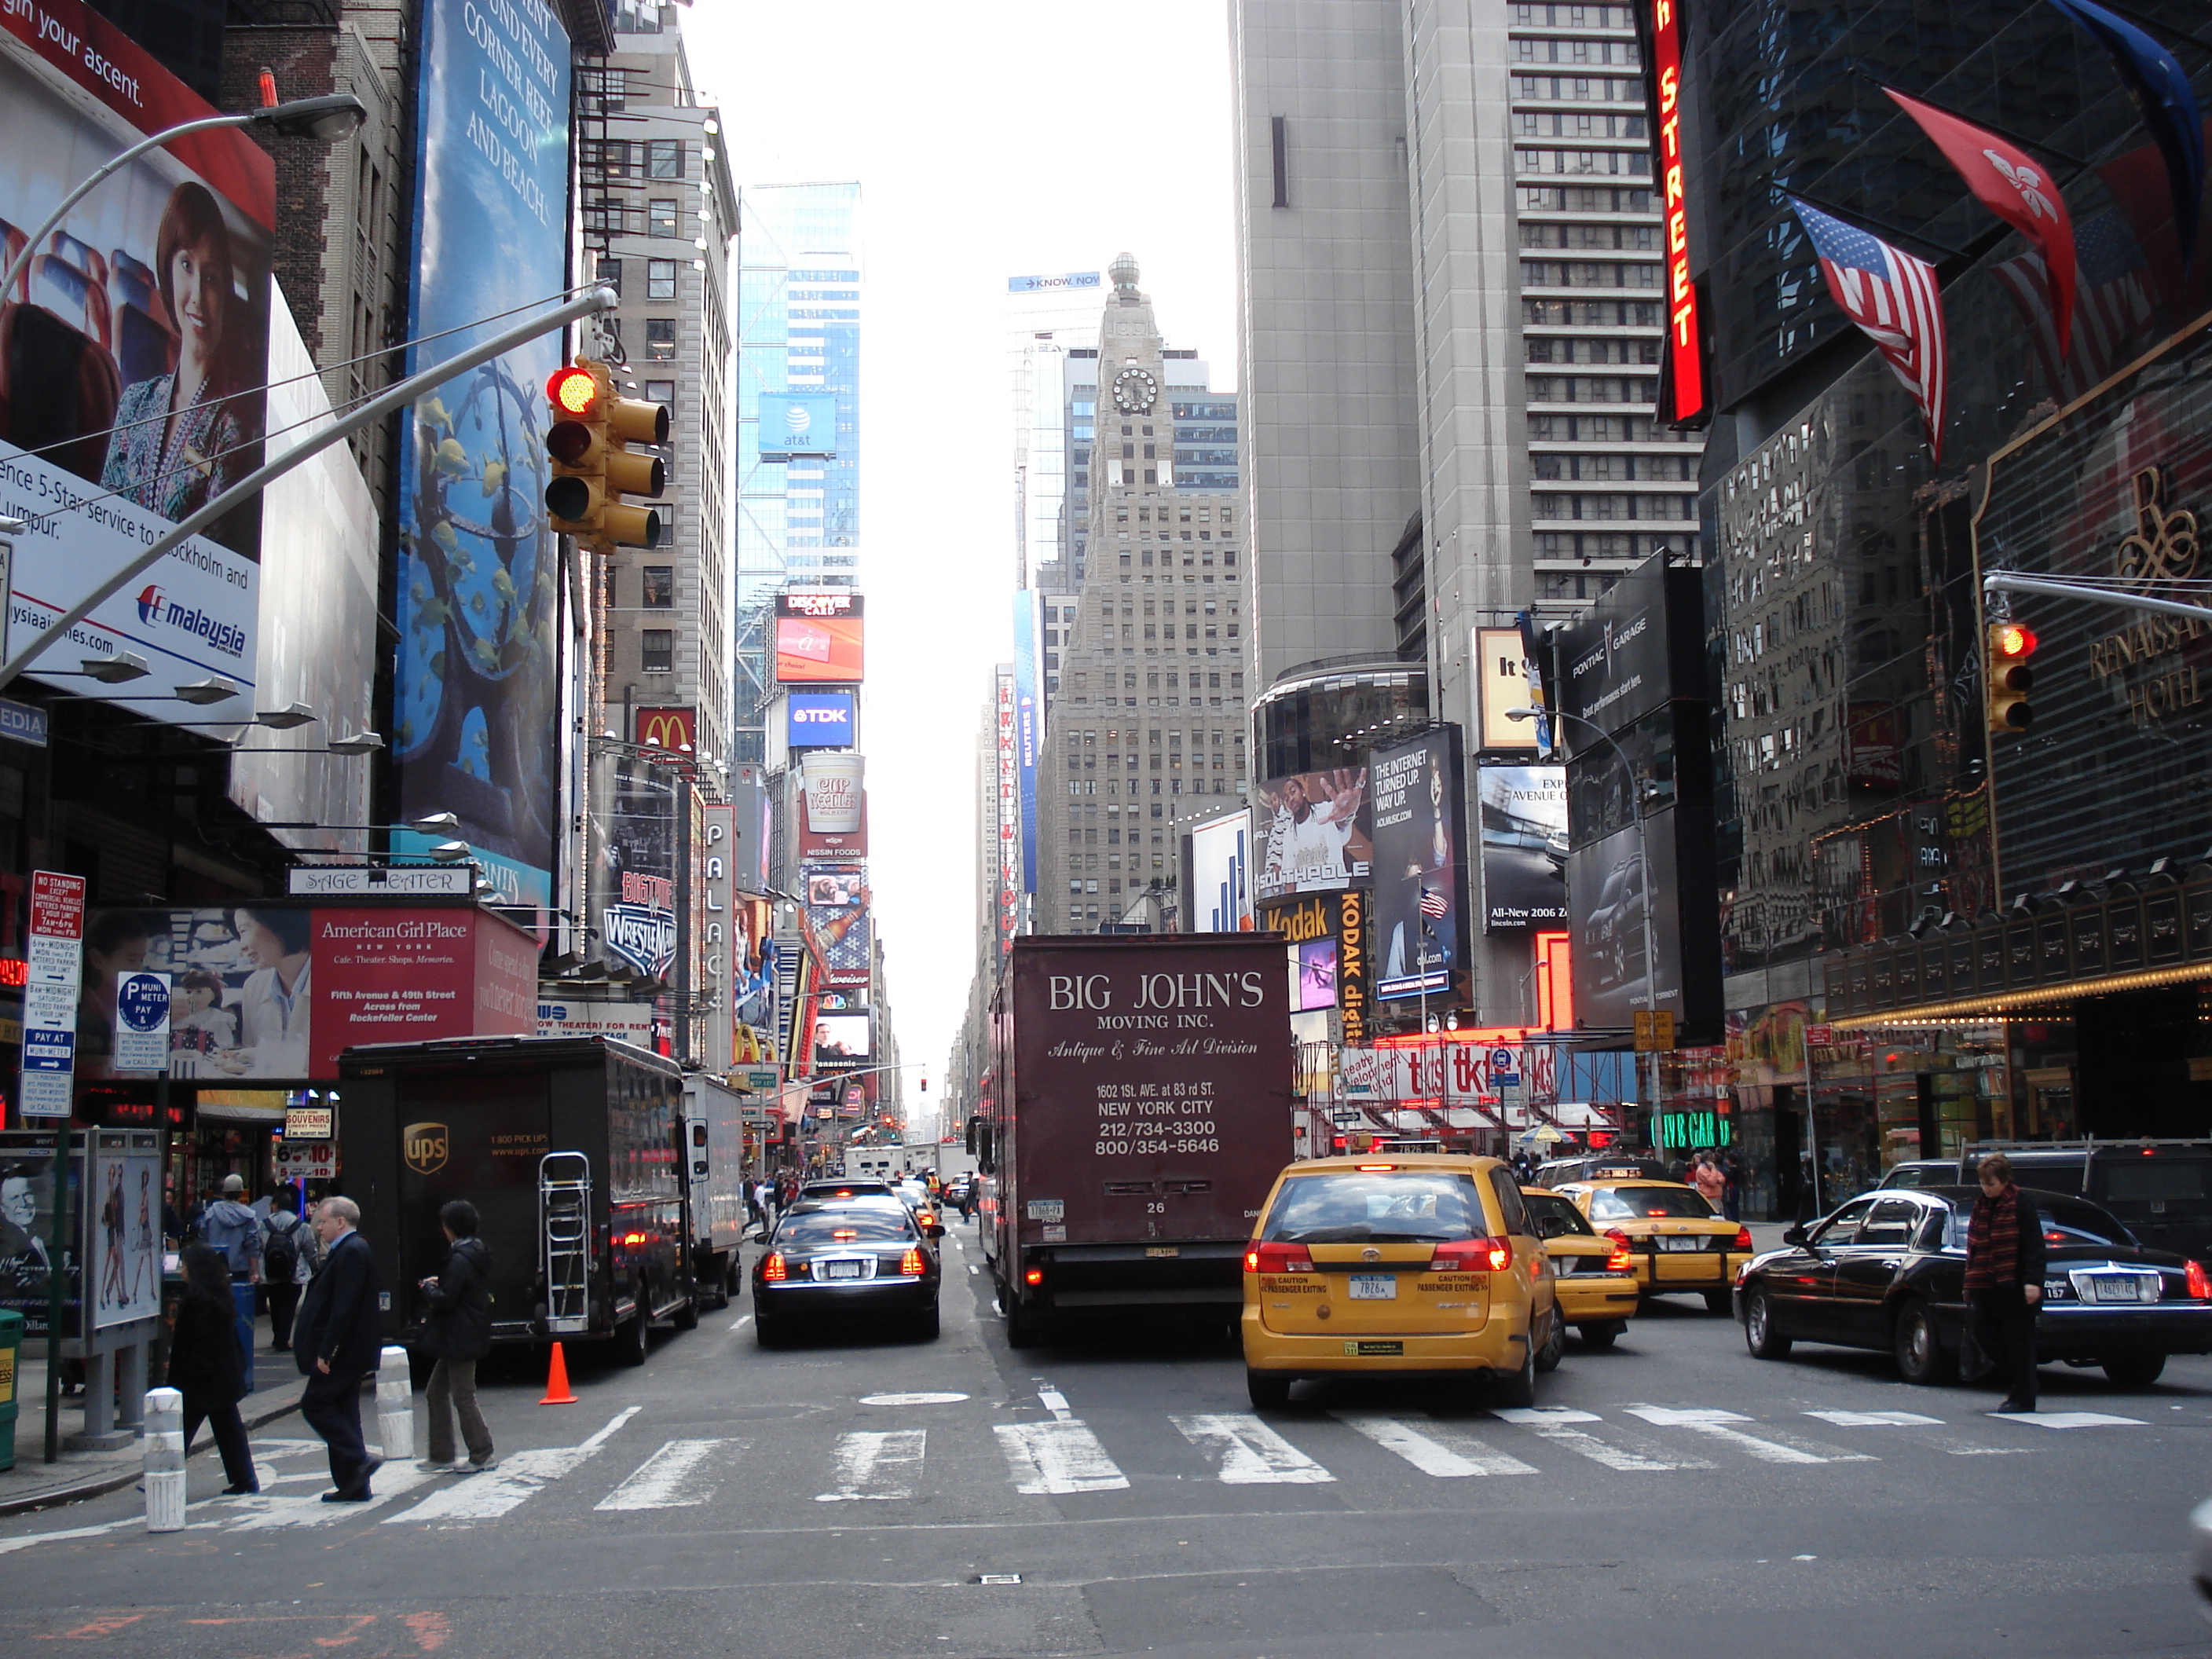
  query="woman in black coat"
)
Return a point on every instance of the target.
[
  {"x": 458, "y": 1334},
  {"x": 207, "y": 1366}
]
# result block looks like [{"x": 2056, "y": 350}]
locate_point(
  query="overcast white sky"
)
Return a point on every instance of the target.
[{"x": 991, "y": 138}]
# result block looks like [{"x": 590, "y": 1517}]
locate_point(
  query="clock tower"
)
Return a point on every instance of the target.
[{"x": 1145, "y": 733}]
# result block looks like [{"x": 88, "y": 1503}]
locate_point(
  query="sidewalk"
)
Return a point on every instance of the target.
[{"x": 33, "y": 1484}]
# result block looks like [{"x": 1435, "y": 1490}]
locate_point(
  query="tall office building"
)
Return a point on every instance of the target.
[
  {"x": 659, "y": 209},
  {"x": 1147, "y": 728},
  {"x": 799, "y": 288},
  {"x": 1047, "y": 316}
]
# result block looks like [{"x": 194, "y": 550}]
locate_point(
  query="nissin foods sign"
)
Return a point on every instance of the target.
[
  {"x": 157, "y": 607},
  {"x": 820, "y": 719}
]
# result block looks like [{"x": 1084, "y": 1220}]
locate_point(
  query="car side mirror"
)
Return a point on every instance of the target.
[
  {"x": 1795, "y": 1236},
  {"x": 935, "y": 1229}
]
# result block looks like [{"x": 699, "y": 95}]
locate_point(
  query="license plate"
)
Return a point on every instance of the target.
[
  {"x": 847, "y": 1269},
  {"x": 1682, "y": 1242},
  {"x": 2118, "y": 1289},
  {"x": 1374, "y": 1287}
]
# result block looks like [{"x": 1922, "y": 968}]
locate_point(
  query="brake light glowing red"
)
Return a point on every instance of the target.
[
  {"x": 1034, "y": 1276},
  {"x": 910, "y": 1266},
  {"x": 1620, "y": 1238},
  {"x": 2200, "y": 1283},
  {"x": 1742, "y": 1239},
  {"x": 774, "y": 1270},
  {"x": 1275, "y": 1257},
  {"x": 1374, "y": 1169},
  {"x": 1619, "y": 1261},
  {"x": 843, "y": 1235},
  {"x": 1471, "y": 1255}
]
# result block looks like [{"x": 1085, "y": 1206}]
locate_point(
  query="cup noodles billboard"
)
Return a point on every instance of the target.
[
  {"x": 830, "y": 785},
  {"x": 818, "y": 638}
]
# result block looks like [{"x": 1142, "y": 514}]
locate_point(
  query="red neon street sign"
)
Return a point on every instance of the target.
[{"x": 1687, "y": 380}]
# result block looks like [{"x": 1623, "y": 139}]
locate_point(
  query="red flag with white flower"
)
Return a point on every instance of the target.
[{"x": 2014, "y": 186}]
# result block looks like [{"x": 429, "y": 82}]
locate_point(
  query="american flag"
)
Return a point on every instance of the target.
[
  {"x": 1434, "y": 904},
  {"x": 2113, "y": 306},
  {"x": 1892, "y": 297}
]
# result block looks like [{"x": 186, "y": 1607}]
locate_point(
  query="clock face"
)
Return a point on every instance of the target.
[{"x": 1135, "y": 391}]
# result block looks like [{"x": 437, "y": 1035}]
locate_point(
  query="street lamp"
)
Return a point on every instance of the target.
[
  {"x": 1642, "y": 853},
  {"x": 325, "y": 118}
]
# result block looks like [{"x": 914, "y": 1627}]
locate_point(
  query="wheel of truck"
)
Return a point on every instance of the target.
[
  {"x": 686, "y": 1318},
  {"x": 634, "y": 1342},
  {"x": 730, "y": 1285},
  {"x": 1267, "y": 1393},
  {"x": 1023, "y": 1331}
]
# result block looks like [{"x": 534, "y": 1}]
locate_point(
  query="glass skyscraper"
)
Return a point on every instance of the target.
[{"x": 799, "y": 290}]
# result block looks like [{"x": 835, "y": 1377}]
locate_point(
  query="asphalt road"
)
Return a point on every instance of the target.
[{"x": 848, "y": 1497}]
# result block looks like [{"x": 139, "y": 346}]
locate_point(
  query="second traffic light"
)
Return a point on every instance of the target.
[
  {"x": 2009, "y": 644},
  {"x": 587, "y": 442}
]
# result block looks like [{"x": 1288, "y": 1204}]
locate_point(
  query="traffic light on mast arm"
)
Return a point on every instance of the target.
[
  {"x": 2009, "y": 644},
  {"x": 587, "y": 442}
]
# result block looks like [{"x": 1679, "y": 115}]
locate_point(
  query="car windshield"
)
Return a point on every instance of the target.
[
  {"x": 2140, "y": 1180},
  {"x": 1554, "y": 1216},
  {"x": 1648, "y": 1203},
  {"x": 845, "y": 1224},
  {"x": 1400, "y": 1206}
]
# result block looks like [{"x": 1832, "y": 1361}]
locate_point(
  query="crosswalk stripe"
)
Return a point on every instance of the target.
[
  {"x": 486, "y": 1497},
  {"x": 393, "y": 1480},
  {"x": 869, "y": 1463},
  {"x": 1555, "y": 1423},
  {"x": 1715, "y": 1425},
  {"x": 1436, "y": 1451},
  {"x": 679, "y": 1476},
  {"x": 1877, "y": 1419},
  {"x": 2067, "y": 1419},
  {"x": 1058, "y": 1456},
  {"x": 1251, "y": 1453}
]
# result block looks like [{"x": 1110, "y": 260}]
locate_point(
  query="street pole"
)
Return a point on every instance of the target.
[
  {"x": 2003, "y": 581},
  {"x": 397, "y": 395},
  {"x": 56, "y": 1250}
]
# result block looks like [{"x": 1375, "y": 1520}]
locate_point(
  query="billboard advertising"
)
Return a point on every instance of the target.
[
  {"x": 844, "y": 940},
  {"x": 1605, "y": 890},
  {"x": 1220, "y": 884},
  {"x": 841, "y": 1040},
  {"x": 752, "y": 962},
  {"x": 476, "y": 674},
  {"x": 1008, "y": 753},
  {"x": 797, "y": 424},
  {"x": 1317, "y": 976},
  {"x": 1067, "y": 282},
  {"x": 837, "y": 889},
  {"x": 1420, "y": 829},
  {"x": 1524, "y": 823},
  {"x": 1342, "y": 919},
  {"x": 676, "y": 730},
  {"x": 632, "y": 888},
  {"x": 818, "y": 638},
  {"x": 1637, "y": 647},
  {"x": 274, "y": 991},
  {"x": 1028, "y": 722},
  {"x": 1502, "y": 684},
  {"x": 1316, "y": 831},
  {"x": 137, "y": 343},
  {"x": 820, "y": 719}
]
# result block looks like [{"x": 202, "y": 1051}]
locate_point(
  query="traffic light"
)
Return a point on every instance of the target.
[
  {"x": 2010, "y": 644},
  {"x": 587, "y": 442}
]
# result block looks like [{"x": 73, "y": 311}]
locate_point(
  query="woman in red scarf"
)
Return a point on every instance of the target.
[{"x": 2004, "y": 1278}]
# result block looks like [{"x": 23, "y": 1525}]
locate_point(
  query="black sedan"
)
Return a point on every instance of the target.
[
  {"x": 861, "y": 1258},
  {"x": 1888, "y": 1271}
]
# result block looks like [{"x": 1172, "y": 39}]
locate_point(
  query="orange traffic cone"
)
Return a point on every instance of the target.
[{"x": 556, "y": 1382}]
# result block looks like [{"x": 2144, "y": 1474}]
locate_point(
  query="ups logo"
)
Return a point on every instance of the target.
[{"x": 424, "y": 1147}]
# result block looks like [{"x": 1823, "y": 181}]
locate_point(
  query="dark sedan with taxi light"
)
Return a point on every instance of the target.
[
  {"x": 1888, "y": 1272},
  {"x": 861, "y": 1258},
  {"x": 1594, "y": 1277}
]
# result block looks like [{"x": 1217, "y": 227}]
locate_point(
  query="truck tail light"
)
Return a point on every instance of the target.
[
  {"x": 2200, "y": 1283},
  {"x": 1471, "y": 1255},
  {"x": 910, "y": 1264},
  {"x": 773, "y": 1270},
  {"x": 1034, "y": 1276},
  {"x": 1275, "y": 1257},
  {"x": 1742, "y": 1239},
  {"x": 1619, "y": 1261}
]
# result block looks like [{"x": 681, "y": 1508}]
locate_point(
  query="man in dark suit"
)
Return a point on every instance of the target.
[{"x": 337, "y": 1342}]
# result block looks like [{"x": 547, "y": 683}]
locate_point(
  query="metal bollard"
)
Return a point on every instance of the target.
[
  {"x": 164, "y": 1460},
  {"x": 395, "y": 1406}
]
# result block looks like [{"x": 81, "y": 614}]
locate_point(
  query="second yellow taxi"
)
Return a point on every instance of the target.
[
  {"x": 1593, "y": 1277},
  {"x": 1678, "y": 1242},
  {"x": 1408, "y": 1264}
]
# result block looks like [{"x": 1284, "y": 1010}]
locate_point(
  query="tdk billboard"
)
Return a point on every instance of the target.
[{"x": 819, "y": 720}]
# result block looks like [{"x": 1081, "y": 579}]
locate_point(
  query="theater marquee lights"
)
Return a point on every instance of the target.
[{"x": 1686, "y": 378}]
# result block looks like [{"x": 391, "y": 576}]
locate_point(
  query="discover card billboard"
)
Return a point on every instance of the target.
[
  {"x": 135, "y": 349},
  {"x": 475, "y": 683}
]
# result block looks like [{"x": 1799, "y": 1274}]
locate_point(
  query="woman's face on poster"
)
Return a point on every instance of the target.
[
  {"x": 264, "y": 949},
  {"x": 127, "y": 957},
  {"x": 199, "y": 274}
]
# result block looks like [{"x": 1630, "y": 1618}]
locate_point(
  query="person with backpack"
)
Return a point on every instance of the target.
[
  {"x": 456, "y": 1334},
  {"x": 284, "y": 1265}
]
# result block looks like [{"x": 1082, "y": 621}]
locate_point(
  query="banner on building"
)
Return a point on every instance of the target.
[
  {"x": 1420, "y": 913},
  {"x": 1339, "y": 920},
  {"x": 1314, "y": 832},
  {"x": 634, "y": 868},
  {"x": 1219, "y": 890},
  {"x": 1524, "y": 815},
  {"x": 1028, "y": 722},
  {"x": 819, "y": 637}
]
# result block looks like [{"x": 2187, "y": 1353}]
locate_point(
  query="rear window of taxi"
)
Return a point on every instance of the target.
[
  {"x": 1648, "y": 1204},
  {"x": 1554, "y": 1216},
  {"x": 1403, "y": 1207}
]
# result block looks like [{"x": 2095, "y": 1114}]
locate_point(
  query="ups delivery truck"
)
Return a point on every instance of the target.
[
  {"x": 569, "y": 1147},
  {"x": 1139, "y": 1111}
]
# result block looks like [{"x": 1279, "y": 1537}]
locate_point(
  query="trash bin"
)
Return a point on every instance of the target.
[{"x": 11, "y": 1344}]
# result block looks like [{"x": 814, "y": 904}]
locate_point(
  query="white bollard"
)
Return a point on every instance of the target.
[
  {"x": 163, "y": 1460},
  {"x": 395, "y": 1407}
]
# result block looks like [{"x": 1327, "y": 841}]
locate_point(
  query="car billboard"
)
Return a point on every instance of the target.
[
  {"x": 1314, "y": 832},
  {"x": 818, "y": 638},
  {"x": 1420, "y": 883},
  {"x": 136, "y": 347},
  {"x": 1523, "y": 817},
  {"x": 476, "y": 675}
]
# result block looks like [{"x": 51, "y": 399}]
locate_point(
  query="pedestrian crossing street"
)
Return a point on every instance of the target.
[{"x": 620, "y": 1472}]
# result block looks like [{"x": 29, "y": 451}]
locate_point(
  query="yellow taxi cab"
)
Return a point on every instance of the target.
[
  {"x": 1593, "y": 1277},
  {"x": 1678, "y": 1242},
  {"x": 1405, "y": 1264}
]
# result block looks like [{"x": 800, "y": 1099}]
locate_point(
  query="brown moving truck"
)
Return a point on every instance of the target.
[{"x": 1140, "y": 1108}]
